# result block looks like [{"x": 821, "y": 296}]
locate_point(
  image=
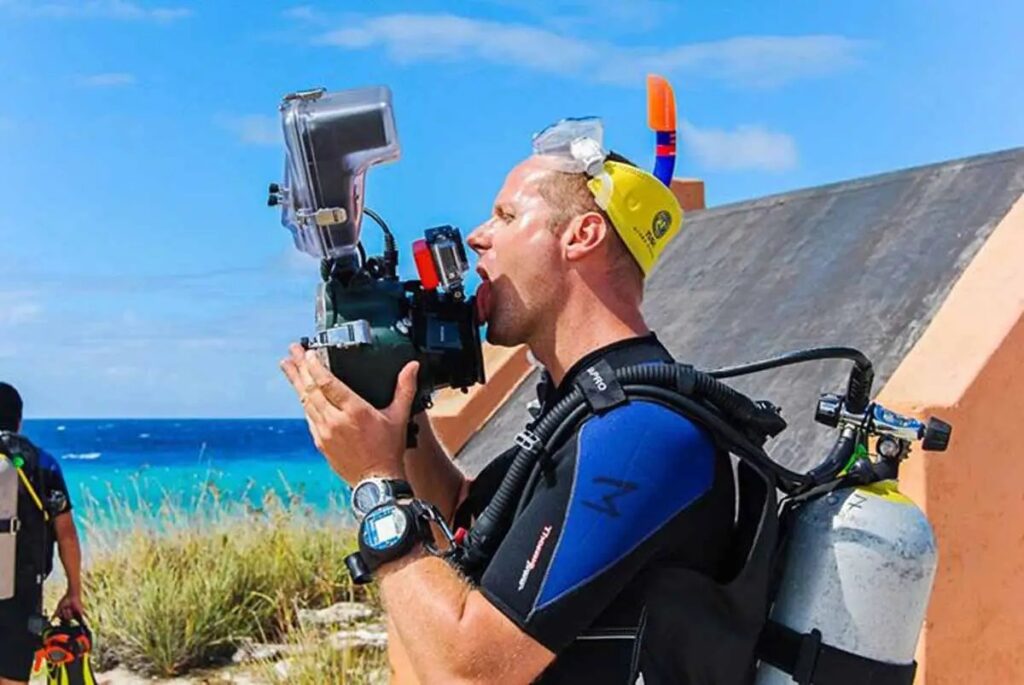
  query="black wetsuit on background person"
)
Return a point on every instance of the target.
[{"x": 636, "y": 487}]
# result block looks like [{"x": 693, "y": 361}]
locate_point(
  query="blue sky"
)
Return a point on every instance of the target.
[{"x": 142, "y": 274}]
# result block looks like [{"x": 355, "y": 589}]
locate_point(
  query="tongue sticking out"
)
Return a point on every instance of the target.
[{"x": 483, "y": 302}]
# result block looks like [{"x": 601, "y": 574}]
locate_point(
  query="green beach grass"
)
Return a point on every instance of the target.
[{"x": 180, "y": 586}]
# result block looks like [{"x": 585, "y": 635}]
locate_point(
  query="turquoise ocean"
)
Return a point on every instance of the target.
[{"x": 147, "y": 462}]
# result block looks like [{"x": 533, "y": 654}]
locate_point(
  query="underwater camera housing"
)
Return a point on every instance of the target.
[{"x": 369, "y": 324}]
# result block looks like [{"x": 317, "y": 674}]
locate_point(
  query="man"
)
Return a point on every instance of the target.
[
  {"x": 45, "y": 518},
  {"x": 563, "y": 597}
]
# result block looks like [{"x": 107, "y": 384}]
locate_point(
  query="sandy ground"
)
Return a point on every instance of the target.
[{"x": 119, "y": 676}]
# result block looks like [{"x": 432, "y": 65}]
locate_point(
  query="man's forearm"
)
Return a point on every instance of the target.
[
  {"x": 71, "y": 558},
  {"x": 443, "y": 628},
  {"x": 432, "y": 474}
]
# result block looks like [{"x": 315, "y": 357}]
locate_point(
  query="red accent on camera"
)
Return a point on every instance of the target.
[{"x": 425, "y": 264}]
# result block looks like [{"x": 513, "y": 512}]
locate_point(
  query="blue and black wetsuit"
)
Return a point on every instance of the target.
[
  {"x": 34, "y": 561},
  {"x": 638, "y": 487}
]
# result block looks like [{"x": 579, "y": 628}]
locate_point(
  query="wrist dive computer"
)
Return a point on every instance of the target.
[{"x": 391, "y": 530}]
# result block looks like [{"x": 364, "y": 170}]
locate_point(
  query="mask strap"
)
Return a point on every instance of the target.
[{"x": 605, "y": 185}]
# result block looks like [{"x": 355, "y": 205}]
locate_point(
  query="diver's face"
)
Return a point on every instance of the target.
[{"x": 520, "y": 259}]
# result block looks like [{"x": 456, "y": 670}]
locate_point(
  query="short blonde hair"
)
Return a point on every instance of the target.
[{"x": 569, "y": 196}]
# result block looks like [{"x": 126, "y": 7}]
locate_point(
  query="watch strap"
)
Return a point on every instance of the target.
[{"x": 399, "y": 487}]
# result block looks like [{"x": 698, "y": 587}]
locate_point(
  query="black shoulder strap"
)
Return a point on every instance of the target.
[
  {"x": 600, "y": 388},
  {"x": 805, "y": 657}
]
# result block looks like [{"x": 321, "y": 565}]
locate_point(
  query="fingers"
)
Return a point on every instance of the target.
[
  {"x": 64, "y": 610},
  {"x": 303, "y": 388},
  {"x": 292, "y": 372},
  {"x": 405, "y": 392}
]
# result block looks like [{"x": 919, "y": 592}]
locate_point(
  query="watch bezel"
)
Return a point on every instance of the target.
[{"x": 387, "y": 488}]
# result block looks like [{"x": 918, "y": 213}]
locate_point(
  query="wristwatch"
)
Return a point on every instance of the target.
[{"x": 373, "y": 492}]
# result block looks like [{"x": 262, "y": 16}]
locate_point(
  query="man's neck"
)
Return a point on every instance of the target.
[{"x": 579, "y": 331}]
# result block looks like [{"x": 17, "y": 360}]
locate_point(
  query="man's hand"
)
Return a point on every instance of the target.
[
  {"x": 358, "y": 439},
  {"x": 70, "y": 606}
]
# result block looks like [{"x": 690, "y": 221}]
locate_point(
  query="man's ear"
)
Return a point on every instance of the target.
[{"x": 584, "y": 234}]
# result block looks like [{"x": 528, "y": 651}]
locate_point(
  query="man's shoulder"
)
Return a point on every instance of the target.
[
  {"x": 648, "y": 426},
  {"x": 23, "y": 446},
  {"x": 47, "y": 461}
]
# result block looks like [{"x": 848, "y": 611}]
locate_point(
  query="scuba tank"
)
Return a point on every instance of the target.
[
  {"x": 9, "y": 524},
  {"x": 14, "y": 452},
  {"x": 858, "y": 573},
  {"x": 18, "y": 454},
  {"x": 858, "y": 561}
]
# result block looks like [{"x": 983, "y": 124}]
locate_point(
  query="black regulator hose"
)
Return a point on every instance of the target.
[
  {"x": 486, "y": 534},
  {"x": 858, "y": 390},
  {"x": 798, "y": 357},
  {"x": 695, "y": 393},
  {"x": 837, "y": 458},
  {"x": 567, "y": 428}
]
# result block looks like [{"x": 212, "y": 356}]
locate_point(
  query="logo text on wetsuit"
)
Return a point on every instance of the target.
[
  {"x": 615, "y": 488},
  {"x": 598, "y": 381},
  {"x": 532, "y": 563}
]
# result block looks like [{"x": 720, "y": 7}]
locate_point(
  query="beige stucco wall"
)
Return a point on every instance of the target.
[{"x": 968, "y": 368}]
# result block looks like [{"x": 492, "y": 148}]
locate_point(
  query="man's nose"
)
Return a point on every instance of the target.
[{"x": 480, "y": 239}]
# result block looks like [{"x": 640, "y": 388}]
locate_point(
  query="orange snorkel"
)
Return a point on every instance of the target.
[{"x": 661, "y": 118}]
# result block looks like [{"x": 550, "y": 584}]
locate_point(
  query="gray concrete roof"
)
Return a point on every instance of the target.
[{"x": 865, "y": 263}]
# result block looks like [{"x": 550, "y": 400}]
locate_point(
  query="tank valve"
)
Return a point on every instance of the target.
[
  {"x": 830, "y": 408},
  {"x": 936, "y": 435}
]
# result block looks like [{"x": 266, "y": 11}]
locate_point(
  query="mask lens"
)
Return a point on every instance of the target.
[
  {"x": 557, "y": 138},
  {"x": 559, "y": 145}
]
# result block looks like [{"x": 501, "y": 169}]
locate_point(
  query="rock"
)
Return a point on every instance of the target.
[
  {"x": 340, "y": 614},
  {"x": 122, "y": 676},
  {"x": 283, "y": 669},
  {"x": 250, "y": 652},
  {"x": 368, "y": 636}
]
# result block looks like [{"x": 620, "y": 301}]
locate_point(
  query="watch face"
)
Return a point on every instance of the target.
[
  {"x": 384, "y": 527},
  {"x": 366, "y": 496}
]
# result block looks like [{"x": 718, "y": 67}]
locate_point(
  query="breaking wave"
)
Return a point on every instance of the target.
[{"x": 84, "y": 456}]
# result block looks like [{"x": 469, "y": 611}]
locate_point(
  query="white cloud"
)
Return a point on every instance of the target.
[
  {"x": 418, "y": 37},
  {"x": 108, "y": 80},
  {"x": 760, "y": 61},
  {"x": 748, "y": 61},
  {"x": 124, "y": 10},
  {"x": 635, "y": 16},
  {"x": 303, "y": 13},
  {"x": 255, "y": 129},
  {"x": 19, "y": 308},
  {"x": 744, "y": 148}
]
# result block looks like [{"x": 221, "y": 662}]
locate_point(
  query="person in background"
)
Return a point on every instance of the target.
[{"x": 46, "y": 519}]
